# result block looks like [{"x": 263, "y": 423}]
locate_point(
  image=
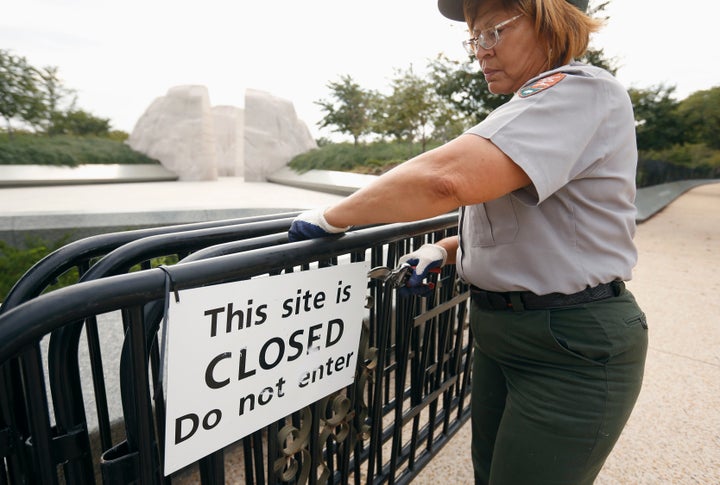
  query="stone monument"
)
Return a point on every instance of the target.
[
  {"x": 200, "y": 142},
  {"x": 178, "y": 130},
  {"x": 273, "y": 134},
  {"x": 229, "y": 124}
]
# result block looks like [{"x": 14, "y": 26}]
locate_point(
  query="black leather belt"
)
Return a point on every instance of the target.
[{"x": 526, "y": 300}]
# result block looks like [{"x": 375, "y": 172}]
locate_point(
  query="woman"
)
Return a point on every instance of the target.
[{"x": 545, "y": 187}]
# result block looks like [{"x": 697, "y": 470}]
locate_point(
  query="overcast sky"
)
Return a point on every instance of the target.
[{"x": 120, "y": 56}]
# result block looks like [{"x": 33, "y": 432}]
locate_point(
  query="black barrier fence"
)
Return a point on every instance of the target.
[{"x": 57, "y": 423}]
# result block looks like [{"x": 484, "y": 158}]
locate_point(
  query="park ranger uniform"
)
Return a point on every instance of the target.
[{"x": 560, "y": 343}]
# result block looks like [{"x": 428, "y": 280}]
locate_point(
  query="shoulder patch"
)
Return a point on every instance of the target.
[{"x": 541, "y": 85}]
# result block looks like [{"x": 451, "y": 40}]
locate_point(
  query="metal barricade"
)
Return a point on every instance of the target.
[
  {"x": 81, "y": 255},
  {"x": 410, "y": 393}
]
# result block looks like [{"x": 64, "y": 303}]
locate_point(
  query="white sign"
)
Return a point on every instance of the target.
[{"x": 243, "y": 355}]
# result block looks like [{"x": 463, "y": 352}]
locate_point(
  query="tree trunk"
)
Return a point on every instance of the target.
[{"x": 9, "y": 129}]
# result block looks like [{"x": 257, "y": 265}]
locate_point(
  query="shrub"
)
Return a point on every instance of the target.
[
  {"x": 15, "y": 262},
  {"x": 679, "y": 162},
  {"x": 370, "y": 158},
  {"x": 69, "y": 150}
]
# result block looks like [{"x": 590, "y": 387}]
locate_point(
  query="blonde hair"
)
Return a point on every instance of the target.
[{"x": 561, "y": 26}]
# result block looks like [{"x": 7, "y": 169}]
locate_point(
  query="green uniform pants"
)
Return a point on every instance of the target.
[{"x": 553, "y": 389}]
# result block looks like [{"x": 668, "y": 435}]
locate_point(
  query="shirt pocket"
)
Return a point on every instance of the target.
[{"x": 492, "y": 223}]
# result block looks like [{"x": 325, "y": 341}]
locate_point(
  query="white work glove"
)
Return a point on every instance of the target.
[
  {"x": 311, "y": 225},
  {"x": 429, "y": 257}
]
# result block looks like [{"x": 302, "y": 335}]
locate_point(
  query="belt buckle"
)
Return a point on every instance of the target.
[{"x": 499, "y": 301}]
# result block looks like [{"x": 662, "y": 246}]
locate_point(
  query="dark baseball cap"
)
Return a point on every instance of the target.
[{"x": 453, "y": 9}]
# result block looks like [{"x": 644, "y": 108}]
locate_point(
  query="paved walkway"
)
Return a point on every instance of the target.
[{"x": 673, "y": 436}]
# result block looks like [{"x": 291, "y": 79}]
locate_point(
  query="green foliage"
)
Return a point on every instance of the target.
[
  {"x": 20, "y": 90},
  {"x": 118, "y": 135},
  {"x": 37, "y": 98},
  {"x": 349, "y": 110},
  {"x": 155, "y": 262},
  {"x": 410, "y": 110},
  {"x": 699, "y": 115},
  {"x": 676, "y": 139},
  {"x": 78, "y": 122},
  {"x": 692, "y": 155},
  {"x": 54, "y": 98},
  {"x": 439, "y": 107},
  {"x": 462, "y": 87},
  {"x": 680, "y": 162},
  {"x": 348, "y": 157},
  {"x": 657, "y": 124},
  {"x": 27, "y": 149},
  {"x": 597, "y": 57},
  {"x": 15, "y": 262}
]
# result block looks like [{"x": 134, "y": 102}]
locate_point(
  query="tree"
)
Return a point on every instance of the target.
[
  {"x": 657, "y": 124},
  {"x": 350, "y": 109},
  {"x": 699, "y": 116},
  {"x": 463, "y": 88},
  {"x": 596, "y": 57},
  {"x": 38, "y": 98},
  {"x": 19, "y": 90},
  {"x": 409, "y": 111},
  {"x": 54, "y": 95},
  {"x": 78, "y": 122}
]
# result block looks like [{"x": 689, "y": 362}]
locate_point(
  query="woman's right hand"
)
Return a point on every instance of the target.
[{"x": 423, "y": 260}]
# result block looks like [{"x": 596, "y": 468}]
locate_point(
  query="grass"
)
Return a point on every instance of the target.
[{"x": 66, "y": 150}]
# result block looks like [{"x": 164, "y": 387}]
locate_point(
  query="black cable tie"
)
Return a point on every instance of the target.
[
  {"x": 172, "y": 285},
  {"x": 169, "y": 286}
]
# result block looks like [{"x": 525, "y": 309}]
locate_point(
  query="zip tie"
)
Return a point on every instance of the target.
[
  {"x": 168, "y": 281},
  {"x": 169, "y": 284}
]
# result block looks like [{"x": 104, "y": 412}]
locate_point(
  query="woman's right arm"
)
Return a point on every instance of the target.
[{"x": 465, "y": 171}]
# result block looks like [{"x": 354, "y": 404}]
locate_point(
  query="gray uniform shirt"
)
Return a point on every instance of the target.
[{"x": 572, "y": 131}]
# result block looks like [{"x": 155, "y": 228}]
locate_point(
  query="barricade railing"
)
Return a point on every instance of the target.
[
  {"x": 81, "y": 255},
  {"x": 64, "y": 366},
  {"x": 409, "y": 396}
]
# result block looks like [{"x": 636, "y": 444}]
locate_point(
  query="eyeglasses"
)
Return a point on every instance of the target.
[{"x": 488, "y": 38}]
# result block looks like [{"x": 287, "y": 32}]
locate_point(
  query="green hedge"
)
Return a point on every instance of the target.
[
  {"x": 365, "y": 158},
  {"x": 681, "y": 162},
  {"x": 15, "y": 262},
  {"x": 68, "y": 150}
]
